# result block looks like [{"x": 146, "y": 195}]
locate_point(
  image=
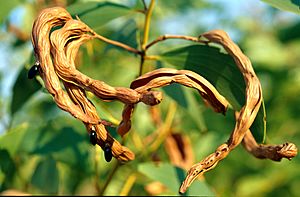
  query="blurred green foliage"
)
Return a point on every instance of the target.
[{"x": 44, "y": 150}]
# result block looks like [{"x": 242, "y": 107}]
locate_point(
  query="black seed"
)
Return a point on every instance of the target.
[
  {"x": 107, "y": 153},
  {"x": 93, "y": 138},
  {"x": 33, "y": 71}
]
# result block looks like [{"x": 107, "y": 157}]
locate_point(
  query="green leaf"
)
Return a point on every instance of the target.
[
  {"x": 220, "y": 70},
  {"x": 175, "y": 91},
  {"x": 12, "y": 140},
  {"x": 7, "y": 167},
  {"x": 287, "y": 5},
  {"x": 127, "y": 34},
  {"x": 289, "y": 33},
  {"x": 185, "y": 98},
  {"x": 64, "y": 144},
  {"x": 23, "y": 89},
  {"x": 258, "y": 127},
  {"x": 46, "y": 176},
  {"x": 97, "y": 14},
  {"x": 172, "y": 177}
]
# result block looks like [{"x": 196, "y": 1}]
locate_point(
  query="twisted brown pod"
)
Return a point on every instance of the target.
[{"x": 56, "y": 50}]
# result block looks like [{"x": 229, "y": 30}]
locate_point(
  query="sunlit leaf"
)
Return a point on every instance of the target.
[
  {"x": 11, "y": 140},
  {"x": 220, "y": 70},
  {"x": 287, "y": 5},
  {"x": 96, "y": 14},
  {"x": 23, "y": 89},
  {"x": 172, "y": 177}
]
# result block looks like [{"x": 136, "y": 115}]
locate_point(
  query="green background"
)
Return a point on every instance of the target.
[{"x": 44, "y": 150}]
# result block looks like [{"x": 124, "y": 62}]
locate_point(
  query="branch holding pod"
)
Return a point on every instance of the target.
[
  {"x": 56, "y": 51},
  {"x": 244, "y": 118},
  {"x": 166, "y": 76},
  {"x": 74, "y": 100}
]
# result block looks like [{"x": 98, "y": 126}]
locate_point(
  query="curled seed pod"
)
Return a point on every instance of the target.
[
  {"x": 33, "y": 71},
  {"x": 107, "y": 153},
  {"x": 93, "y": 138}
]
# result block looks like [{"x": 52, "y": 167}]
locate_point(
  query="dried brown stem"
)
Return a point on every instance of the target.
[
  {"x": 273, "y": 152},
  {"x": 166, "y": 76},
  {"x": 167, "y": 37},
  {"x": 118, "y": 44}
]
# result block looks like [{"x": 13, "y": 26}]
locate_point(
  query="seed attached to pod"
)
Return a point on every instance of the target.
[
  {"x": 33, "y": 71},
  {"x": 93, "y": 138},
  {"x": 107, "y": 153}
]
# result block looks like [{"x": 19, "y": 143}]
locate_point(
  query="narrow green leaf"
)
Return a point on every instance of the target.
[
  {"x": 7, "y": 167},
  {"x": 287, "y": 5},
  {"x": 23, "y": 89},
  {"x": 258, "y": 128},
  {"x": 172, "y": 177},
  {"x": 96, "y": 14},
  {"x": 11, "y": 140},
  {"x": 220, "y": 70},
  {"x": 46, "y": 176}
]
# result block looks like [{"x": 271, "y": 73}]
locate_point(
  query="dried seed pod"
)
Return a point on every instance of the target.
[
  {"x": 244, "y": 118},
  {"x": 60, "y": 39},
  {"x": 56, "y": 51},
  {"x": 264, "y": 151},
  {"x": 166, "y": 76},
  {"x": 48, "y": 19}
]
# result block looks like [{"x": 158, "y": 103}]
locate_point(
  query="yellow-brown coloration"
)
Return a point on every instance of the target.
[{"x": 56, "y": 52}]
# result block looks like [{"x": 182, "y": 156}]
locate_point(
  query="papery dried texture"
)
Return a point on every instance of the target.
[
  {"x": 67, "y": 52},
  {"x": 244, "y": 118},
  {"x": 75, "y": 102},
  {"x": 46, "y": 20},
  {"x": 71, "y": 30},
  {"x": 78, "y": 96},
  {"x": 273, "y": 152},
  {"x": 247, "y": 114},
  {"x": 63, "y": 54},
  {"x": 166, "y": 76},
  {"x": 74, "y": 29}
]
